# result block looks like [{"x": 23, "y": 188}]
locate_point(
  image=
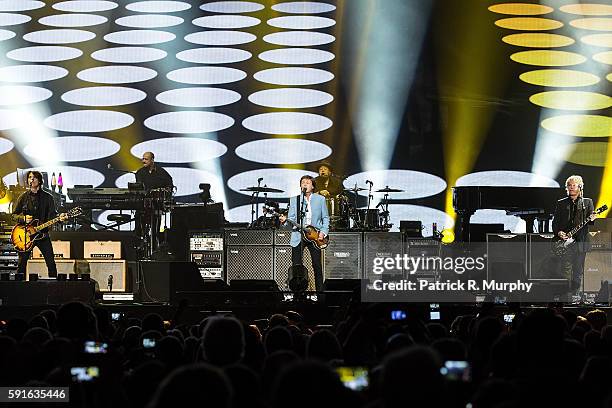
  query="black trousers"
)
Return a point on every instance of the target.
[
  {"x": 315, "y": 253},
  {"x": 577, "y": 269},
  {"x": 44, "y": 244}
]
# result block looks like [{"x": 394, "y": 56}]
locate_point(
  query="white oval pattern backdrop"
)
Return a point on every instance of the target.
[{"x": 224, "y": 92}]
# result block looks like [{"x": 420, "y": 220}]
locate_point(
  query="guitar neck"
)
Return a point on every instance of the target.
[
  {"x": 294, "y": 224},
  {"x": 47, "y": 224},
  {"x": 582, "y": 224}
]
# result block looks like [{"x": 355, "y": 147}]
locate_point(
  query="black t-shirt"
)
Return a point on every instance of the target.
[{"x": 157, "y": 178}]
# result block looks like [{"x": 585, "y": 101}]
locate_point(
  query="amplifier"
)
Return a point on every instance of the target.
[
  {"x": 102, "y": 249},
  {"x": 249, "y": 237},
  {"x": 39, "y": 267},
  {"x": 282, "y": 237},
  {"x": 597, "y": 268},
  {"x": 104, "y": 271},
  {"x": 210, "y": 263},
  {"x": 421, "y": 248},
  {"x": 205, "y": 241},
  {"x": 282, "y": 262},
  {"x": 602, "y": 224},
  {"x": 381, "y": 245},
  {"x": 61, "y": 249},
  {"x": 506, "y": 257},
  {"x": 248, "y": 262},
  {"x": 601, "y": 240},
  {"x": 342, "y": 258},
  {"x": 543, "y": 264}
]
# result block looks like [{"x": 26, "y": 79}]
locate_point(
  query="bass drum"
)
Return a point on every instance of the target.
[{"x": 369, "y": 219}]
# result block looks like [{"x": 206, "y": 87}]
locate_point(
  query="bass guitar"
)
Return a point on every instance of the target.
[
  {"x": 23, "y": 236},
  {"x": 309, "y": 232},
  {"x": 560, "y": 246}
]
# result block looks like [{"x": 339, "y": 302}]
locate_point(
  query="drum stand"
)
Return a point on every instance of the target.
[
  {"x": 366, "y": 224},
  {"x": 384, "y": 204}
]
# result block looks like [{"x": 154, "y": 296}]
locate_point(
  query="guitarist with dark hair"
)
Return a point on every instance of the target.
[
  {"x": 571, "y": 212},
  {"x": 306, "y": 211},
  {"x": 36, "y": 204}
]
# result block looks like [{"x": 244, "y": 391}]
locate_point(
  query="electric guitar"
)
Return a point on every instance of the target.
[
  {"x": 23, "y": 236},
  {"x": 309, "y": 232},
  {"x": 560, "y": 246}
]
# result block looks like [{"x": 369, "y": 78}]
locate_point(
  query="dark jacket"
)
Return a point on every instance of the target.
[
  {"x": 334, "y": 186},
  {"x": 562, "y": 221},
  {"x": 43, "y": 210}
]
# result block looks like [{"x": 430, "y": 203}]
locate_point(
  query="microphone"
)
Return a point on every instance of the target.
[
  {"x": 259, "y": 180},
  {"x": 369, "y": 182},
  {"x": 304, "y": 190},
  {"x": 108, "y": 166},
  {"x": 110, "y": 283}
]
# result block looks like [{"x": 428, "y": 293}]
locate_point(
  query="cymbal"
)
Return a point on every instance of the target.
[
  {"x": 355, "y": 189},
  {"x": 389, "y": 190},
  {"x": 262, "y": 190}
]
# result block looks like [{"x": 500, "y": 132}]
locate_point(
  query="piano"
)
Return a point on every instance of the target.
[
  {"x": 529, "y": 203},
  {"x": 105, "y": 198}
]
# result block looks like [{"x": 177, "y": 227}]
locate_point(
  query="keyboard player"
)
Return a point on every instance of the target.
[{"x": 152, "y": 177}]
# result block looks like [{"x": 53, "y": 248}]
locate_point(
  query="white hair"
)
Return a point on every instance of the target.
[{"x": 575, "y": 179}]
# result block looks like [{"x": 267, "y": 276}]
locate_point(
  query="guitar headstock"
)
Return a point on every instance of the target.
[
  {"x": 75, "y": 212},
  {"x": 601, "y": 209}
]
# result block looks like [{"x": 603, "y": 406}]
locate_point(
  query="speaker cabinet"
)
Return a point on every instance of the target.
[
  {"x": 249, "y": 237},
  {"x": 343, "y": 256},
  {"x": 543, "y": 264},
  {"x": 39, "y": 267},
  {"x": 101, "y": 271},
  {"x": 597, "y": 268},
  {"x": 61, "y": 250},
  {"x": 381, "y": 245},
  {"x": 163, "y": 281},
  {"x": 282, "y": 237},
  {"x": 601, "y": 240},
  {"x": 507, "y": 257},
  {"x": 250, "y": 262},
  {"x": 282, "y": 262}
]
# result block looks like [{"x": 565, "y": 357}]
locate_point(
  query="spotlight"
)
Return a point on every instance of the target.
[
  {"x": 73, "y": 276},
  {"x": 448, "y": 236},
  {"x": 85, "y": 276},
  {"x": 33, "y": 277},
  {"x": 61, "y": 277}
]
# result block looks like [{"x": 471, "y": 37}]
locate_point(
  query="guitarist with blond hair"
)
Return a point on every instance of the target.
[
  {"x": 310, "y": 211},
  {"x": 36, "y": 204},
  {"x": 570, "y": 212}
]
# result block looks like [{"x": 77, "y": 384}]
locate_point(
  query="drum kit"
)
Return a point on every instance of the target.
[
  {"x": 343, "y": 209},
  {"x": 346, "y": 216}
]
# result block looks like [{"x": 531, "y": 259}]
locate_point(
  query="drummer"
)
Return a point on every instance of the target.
[{"x": 328, "y": 185}]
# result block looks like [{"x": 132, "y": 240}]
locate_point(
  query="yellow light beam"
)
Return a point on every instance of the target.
[{"x": 468, "y": 86}]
